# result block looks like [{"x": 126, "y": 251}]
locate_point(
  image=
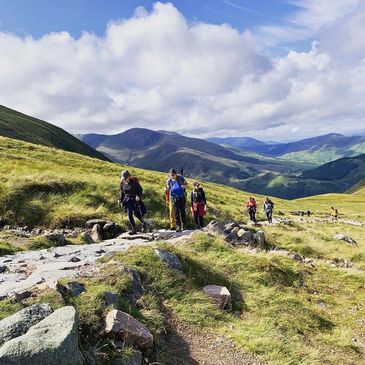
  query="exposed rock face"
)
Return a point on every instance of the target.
[
  {"x": 111, "y": 299},
  {"x": 342, "y": 237},
  {"x": 19, "y": 323},
  {"x": 170, "y": 258},
  {"x": 246, "y": 237},
  {"x": 52, "y": 341},
  {"x": 86, "y": 237},
  {"x": 58, "y": 239},
  {"x": 219, "y": 294},
  {"x": 129, "y": 329}
]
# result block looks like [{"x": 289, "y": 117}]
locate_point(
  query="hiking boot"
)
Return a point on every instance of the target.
[
  {"x": 183, "y": 228},
  {"x": 178, "y": 229},
  {"x": 132, "y": 232}
]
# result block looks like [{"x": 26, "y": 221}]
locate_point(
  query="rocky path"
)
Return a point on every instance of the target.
[{"x": 22, "y": 271}]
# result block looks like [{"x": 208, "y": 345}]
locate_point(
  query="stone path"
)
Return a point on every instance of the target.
[{"x": 25, "y": 270}]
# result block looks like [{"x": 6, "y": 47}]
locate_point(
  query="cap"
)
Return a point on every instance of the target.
[{"x": 125, "y": 174}]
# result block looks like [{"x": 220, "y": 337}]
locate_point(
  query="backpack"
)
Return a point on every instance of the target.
[
  {"x": 197, "y": 196},
  {"x": 176, "y": 190}
]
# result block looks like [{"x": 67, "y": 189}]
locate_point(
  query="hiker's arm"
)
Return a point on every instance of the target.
[
  {"x": 139, "y": 191},
  {"x": 203, "y": 196},
  {"x": 121, "y": 194}
]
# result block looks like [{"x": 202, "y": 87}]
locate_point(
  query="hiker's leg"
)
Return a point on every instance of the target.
[
  {"x": 183, "y": 212},
  {"x": 172, "y": 215},
  {"x": 196, "y": 219},
  {"x": 130, "y": 216},
  {"x": 201, "y": 221},
  {"x": 177, "y": 213}
]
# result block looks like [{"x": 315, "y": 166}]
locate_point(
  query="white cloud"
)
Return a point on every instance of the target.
[{"x": 157, "y": 70}]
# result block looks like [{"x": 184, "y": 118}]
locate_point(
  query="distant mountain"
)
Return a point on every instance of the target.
[
  {"x": 247, "y": 143},
  {"x": 20, "y": 126},
  {"x": 315, "y": 150},
  {"x": 162, "y": 150}
]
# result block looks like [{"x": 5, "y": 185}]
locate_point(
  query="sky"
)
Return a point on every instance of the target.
[{"x": 270, "y": 69}]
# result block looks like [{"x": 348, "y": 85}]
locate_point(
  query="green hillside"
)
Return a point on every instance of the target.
[
  {"x": 284, "y": 312},
  {"x": 23, "y": 127}
]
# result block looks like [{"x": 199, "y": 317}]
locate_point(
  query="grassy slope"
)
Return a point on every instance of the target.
[
  {"x": 20, "y": 126},
  {"x": 283, "y": 311}
]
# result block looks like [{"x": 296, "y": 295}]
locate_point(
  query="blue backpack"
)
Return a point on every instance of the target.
[{"x": 176, "y": 189}]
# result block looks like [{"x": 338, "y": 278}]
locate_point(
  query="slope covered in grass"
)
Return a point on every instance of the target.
[{"x": 23, "y": 127}]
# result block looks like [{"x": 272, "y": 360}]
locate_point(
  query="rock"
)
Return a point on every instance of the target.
[
  {"x": 74, "y": 259},
  {"x": 111, "y": 299},
  {"x": 109, "y": 230},
  {"x": 72, "y": 288},
  {"x": 169, "y": 258},
  {"x": 241, "y": 232},
  {"x": 20, "y": 295},
  {"x": 342, "y": 237},
  {"x": 57, "y": 239},
  {"x": 138, "y": 236},
  {"x": 91, "y": 223},
  {"x": 297, "y": 257},
  {"x": 230, "y": 225},
  {"x": 260, "y": 240},
  {"x": 36, "y": 231},
  {"x": 220, "y": 295},
  {"x": 3, "y": 268},
  {"x": 246, "y": 237},
  {"x": 96, "y": 233},
  {"x": 86, "y": 237},
  {"x": 217, "y": 228},
  {"x": 52, "y": 341},
  {"x": 19, "y": 323},
  {"x": 136, "y": 289},
  {"x": 132, "y": 331},
  {"x": 342, "y": 263}
]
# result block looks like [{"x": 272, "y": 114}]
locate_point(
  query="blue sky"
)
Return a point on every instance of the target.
[
  {"x": 271, "y": 69},
  {"x": 38, "y": 17}
]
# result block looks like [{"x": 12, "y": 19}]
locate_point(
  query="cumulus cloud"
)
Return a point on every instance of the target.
[{"x": 159, "y": 71}]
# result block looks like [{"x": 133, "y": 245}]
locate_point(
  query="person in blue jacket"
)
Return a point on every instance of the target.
[{"x": 176, "y": 186}]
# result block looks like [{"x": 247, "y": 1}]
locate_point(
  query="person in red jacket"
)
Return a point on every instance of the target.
[{"x": 251, "y": 207}]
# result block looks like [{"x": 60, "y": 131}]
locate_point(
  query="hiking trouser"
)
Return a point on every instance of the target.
[
  {"x": 198, "y": 219},
  {"x": 252, "y": 213},
  {"x": 172, "y": 215},
  {"x": 179, "y": 210},
  {"x": 269, "y": 216},
  {"x": 132, "y": 208}
]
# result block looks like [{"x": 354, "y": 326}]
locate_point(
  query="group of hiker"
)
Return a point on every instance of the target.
[{"x": 175, "y": 198}]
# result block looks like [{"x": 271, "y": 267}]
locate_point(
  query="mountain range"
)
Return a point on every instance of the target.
[{"x": 259, "y": 167}]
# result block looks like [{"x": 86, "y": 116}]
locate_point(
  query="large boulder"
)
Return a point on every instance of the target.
[
  {"x": 96, "y": 233},
  {"x": 169, "y": 258},
  {"x": 260, "y": 240},
  {"x": 245, "y": 237},
  {"x": 219, "y": 294},
  {"x": 19, "y": 323},
  {"x": 91, "y": 223},
  {"x": 72, "y": 288},
  {"x": 219, "y": 228},
  {"x": 342, "y": 237},
  {"x": 55, "y": 238},
  {"x": 132, "y": 332},
  {"x": 52, "y": 341}
]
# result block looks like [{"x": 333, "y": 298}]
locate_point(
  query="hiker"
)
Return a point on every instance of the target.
[
  {"x": 268, "y": 208},
  {"x": 176, "y": 185},
  {"x": 131, "y": 199},
  {"x": 198, "y": 205},
  {"x": 170, "y": 205},
  {"x": 251, "y": 207},
  {"x": 334, "y": 215}
]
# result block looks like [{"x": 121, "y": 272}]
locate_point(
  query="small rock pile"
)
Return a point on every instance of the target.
[{"x": 237, "y": 234}]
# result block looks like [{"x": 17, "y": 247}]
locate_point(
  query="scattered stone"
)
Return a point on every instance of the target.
[
  {"x": 241, "y": 232},
  {"x": 19, "y": 323},
  {"x": 297, "y": 257},
  {"x": 128, "y": 328},
  {"x": 342, "y": 237},
  {"x": 138, "y": 236},
  {"x": 220, "y": 295},
  {"x": 74, "y": 259},
  {"x": 3, "y": 268},
  {"x": 56, "y": 255},
  {"x": 20, "y": 295},
  {"x": 96, "y": 233},
  {"x": 111, "y": 299},
  {"x": 109, "y": 230},
  {"x": 172, "y": 261},
  {"x": 58, "y": 239},
  {"x": 52, "y": 341},
  {"x": 36, "y": 232},
  {"x": 72, "y": 288},
  {"x": 341, "y": 263},
  {"x": 230, "y": 226},
  {"x": 247, "y": 237}
]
